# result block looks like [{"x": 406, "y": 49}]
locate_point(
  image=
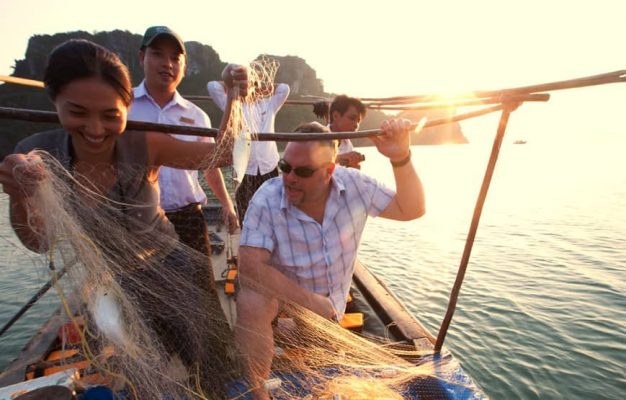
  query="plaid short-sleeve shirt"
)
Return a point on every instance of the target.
[{"x": 318, "y": 257}]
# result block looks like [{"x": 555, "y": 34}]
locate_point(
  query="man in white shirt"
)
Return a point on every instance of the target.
[
  {"x": 263, "y": 154},
  {"x": 163, "y": 58}
]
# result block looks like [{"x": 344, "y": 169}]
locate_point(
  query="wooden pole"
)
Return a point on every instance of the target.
[
  {"x": 296, "y": 102},
  {"x": 505, "y": 98},
  {"x": 21, "y": 81},
  {"x": 55, "y": 277},
  {"x": 51, "y": 117},
  {"x": 456, "y": 289},
  {"x": 431, "y": 105},
  {"x": 601, "y": 79},
  {"x": 23, "y": 114}
]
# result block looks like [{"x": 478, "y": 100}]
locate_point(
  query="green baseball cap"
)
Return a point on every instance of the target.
[{"x": 155, "y": 31}]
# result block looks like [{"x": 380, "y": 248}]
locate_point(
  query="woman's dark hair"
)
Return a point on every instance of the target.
[
  {"x": 80, "y": 59},
  {"x": 321, "y": 110}
]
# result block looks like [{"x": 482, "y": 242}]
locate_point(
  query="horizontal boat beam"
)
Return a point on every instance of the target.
[
  {"x": 433, "y": 100},
  {"x": 22, "y": 114}
]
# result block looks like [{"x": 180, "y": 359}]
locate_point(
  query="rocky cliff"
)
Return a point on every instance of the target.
[{"x": 203, "y": 64}]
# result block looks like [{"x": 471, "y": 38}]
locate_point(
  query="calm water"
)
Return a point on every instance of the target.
[{"x": 542, "y": 313}]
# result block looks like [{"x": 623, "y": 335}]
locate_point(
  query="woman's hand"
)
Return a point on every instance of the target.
[{"x": 20, "y": 174}]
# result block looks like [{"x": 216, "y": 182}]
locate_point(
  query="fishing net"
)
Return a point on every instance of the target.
[
  {"x": 149, "y": 328},
  {"x": 248, "y": 112},
  {"x": 147, "y": 308},
  {"x": 255, "y": 111}
]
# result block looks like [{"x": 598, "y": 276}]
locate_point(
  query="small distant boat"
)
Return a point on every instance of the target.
[{"x": 519, "y": 141}]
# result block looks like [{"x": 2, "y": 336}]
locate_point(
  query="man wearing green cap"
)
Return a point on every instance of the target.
[{"x": 162, "y": 56}]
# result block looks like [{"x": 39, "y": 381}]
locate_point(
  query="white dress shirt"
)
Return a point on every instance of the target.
[
  {"x": 179, "y": 187},
  {"x": 345, "y": 146},
  {"x": 260, "y": 118}
]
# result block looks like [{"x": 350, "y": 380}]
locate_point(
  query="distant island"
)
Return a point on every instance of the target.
[{"x": 203, "y": 64}]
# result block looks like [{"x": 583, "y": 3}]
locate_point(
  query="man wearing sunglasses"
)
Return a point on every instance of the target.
[{"x": 302, "y": 232}]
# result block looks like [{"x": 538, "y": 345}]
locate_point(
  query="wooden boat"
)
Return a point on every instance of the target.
[{"x": 385, "y": 320}]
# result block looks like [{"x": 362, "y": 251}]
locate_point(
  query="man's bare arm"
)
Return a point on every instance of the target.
[
  {"x": 215, "y": 180},
  {"x": 409, "y": 202},
  {"x": 256, "y": 272}
]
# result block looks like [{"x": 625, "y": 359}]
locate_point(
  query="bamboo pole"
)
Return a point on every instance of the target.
[
  {"x": 40, "y": 293},
  {"x": 23, "y": 114},
  {"x": 505, "y": 98},
  {"x": 40, "y": 84},
  {"x": 593, "y": 80},
  {"x": 198, "y": 98},
  {"x": 471, "y": 235},
  {"x": 461, "y": 102},
  {"x": 21, "y": 81},
  {"x": 51, "y": 117}
]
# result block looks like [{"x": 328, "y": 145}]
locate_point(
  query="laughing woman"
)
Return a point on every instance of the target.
[
  {"x": 91, "y": 91},
  {"x": 117, "y": 171}
]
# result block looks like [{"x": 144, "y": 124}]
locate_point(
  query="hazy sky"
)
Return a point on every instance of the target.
[{"x": 378, "y": 48}]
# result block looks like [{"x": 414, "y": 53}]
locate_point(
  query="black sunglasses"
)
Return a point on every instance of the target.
[{"x": 302, "y": 172}]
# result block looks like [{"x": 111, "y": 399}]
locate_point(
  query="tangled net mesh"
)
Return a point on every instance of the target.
[
  {"x": 150, "y": 326},
  {"x": 248, "y": 113},
  {"x": 144, "y": 294}
]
